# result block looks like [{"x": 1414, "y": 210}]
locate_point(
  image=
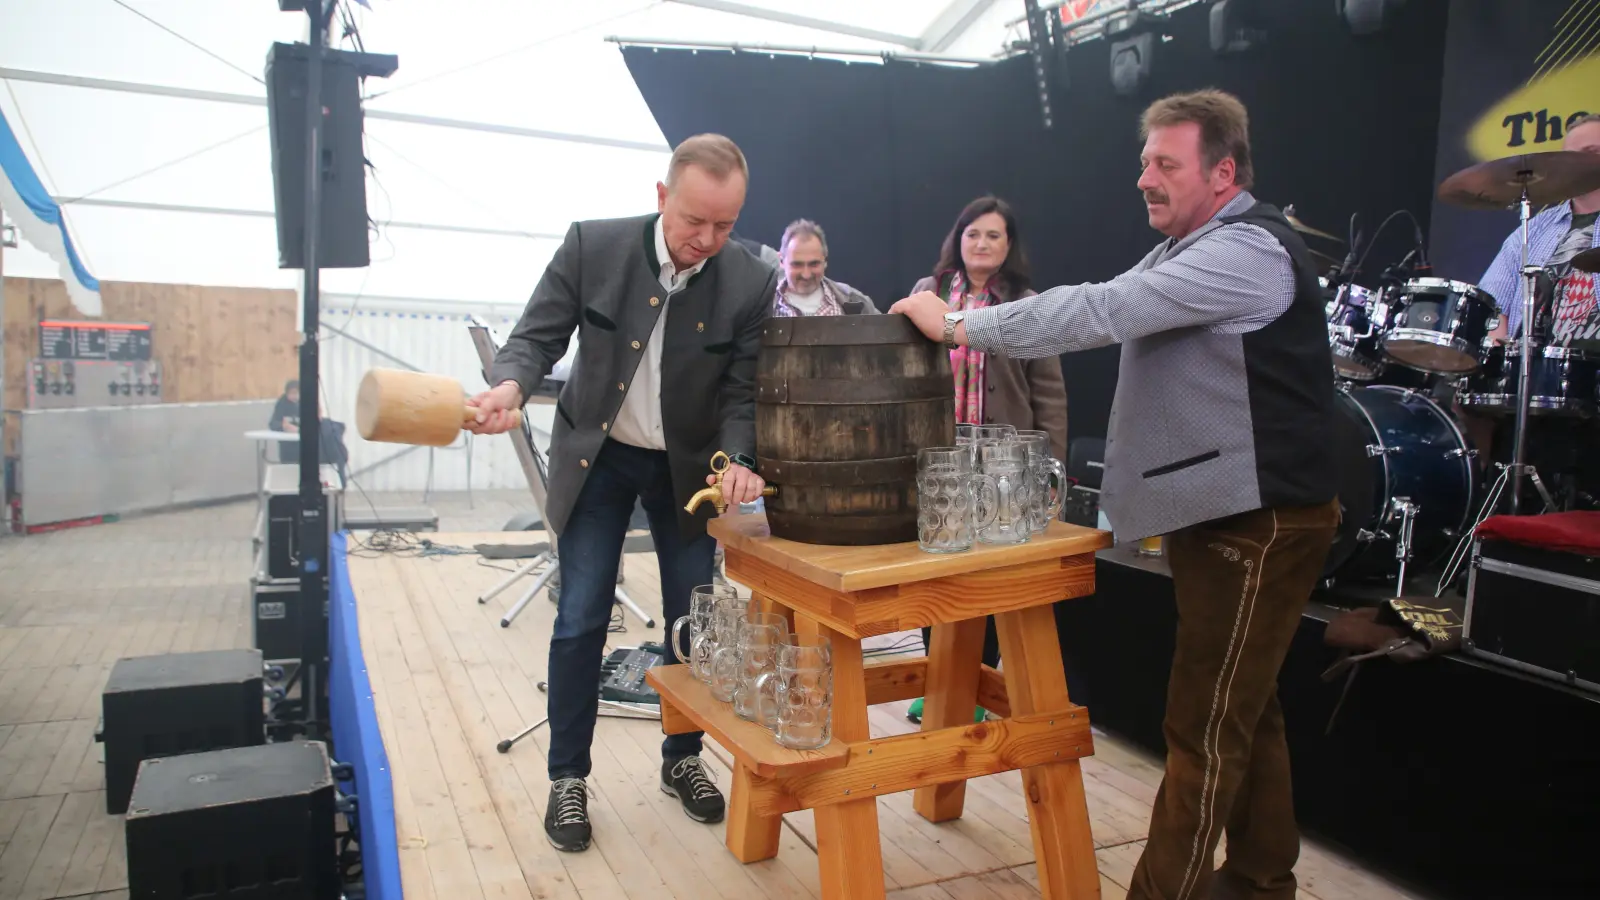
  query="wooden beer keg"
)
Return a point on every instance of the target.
[{"x": 843, "y": 404}]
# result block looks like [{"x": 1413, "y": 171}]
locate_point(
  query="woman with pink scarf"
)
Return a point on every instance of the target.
[{"x": 982, "y": 263}]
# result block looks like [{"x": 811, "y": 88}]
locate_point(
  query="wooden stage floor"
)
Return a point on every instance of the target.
[{"x": 450, "y": 682}]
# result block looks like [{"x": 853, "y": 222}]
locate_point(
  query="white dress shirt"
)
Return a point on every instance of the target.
[{"x": 638, "y": 422}]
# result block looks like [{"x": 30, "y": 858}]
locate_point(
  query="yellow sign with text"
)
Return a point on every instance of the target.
[{"x": 1535, "y": 117}]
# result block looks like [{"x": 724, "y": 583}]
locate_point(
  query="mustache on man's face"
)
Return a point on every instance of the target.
[{"x": 1155, "y": 197}]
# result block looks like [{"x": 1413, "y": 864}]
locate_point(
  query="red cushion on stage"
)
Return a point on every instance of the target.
[{"x": 1569, "y": 532}]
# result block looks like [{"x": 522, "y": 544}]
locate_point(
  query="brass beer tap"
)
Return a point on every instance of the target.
[{"x": 713, "y": 494}]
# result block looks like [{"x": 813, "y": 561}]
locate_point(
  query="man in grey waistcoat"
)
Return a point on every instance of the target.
[
  {"x": 1221, "y": 438},
  {"x": 662, "y": 300}
]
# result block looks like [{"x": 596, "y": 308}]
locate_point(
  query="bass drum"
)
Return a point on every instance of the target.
[{"x": 1397, "y": 447}]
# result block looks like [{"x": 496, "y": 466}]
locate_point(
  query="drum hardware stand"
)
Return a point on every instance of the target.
[
  {"x": 1519, "y": 467},
  {"x": 533, "y": 467},
  {"x": 1407, "y": 511},
  {"x": 1496, "y": 491},
  {"x": 1519, "y": 456},
  {"x": 1402, "y": 546}
]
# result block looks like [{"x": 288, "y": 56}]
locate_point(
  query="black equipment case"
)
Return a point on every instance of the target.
[{"x": 1535, "y": 610}]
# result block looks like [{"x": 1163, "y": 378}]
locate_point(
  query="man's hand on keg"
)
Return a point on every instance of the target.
[
  {"x": 739, "y": 485},
  {"x": 495, "y": 407},
  {"x": 926, "y": 311}
]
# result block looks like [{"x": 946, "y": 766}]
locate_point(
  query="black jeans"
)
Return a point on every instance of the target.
[
  {"x": 991, "y": 642},
  {"x": 590, "y": 551}
]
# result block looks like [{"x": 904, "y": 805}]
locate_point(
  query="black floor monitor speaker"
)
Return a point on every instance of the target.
[
  {"x": 246, "y": 824},
  {"x": 155, "y": 706},
  {"x": 343, "y": 226}
]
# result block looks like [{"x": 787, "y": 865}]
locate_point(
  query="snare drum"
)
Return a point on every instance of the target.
[
  {"x": 1357, "y": 317},
  {"x": 1562, "y": 382},
  {"x": 1438, "y": 325}
]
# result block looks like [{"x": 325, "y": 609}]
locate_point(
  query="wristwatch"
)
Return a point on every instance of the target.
[
  {"x": 743, "y": 460},
  {"x": 950, "y": 321}
]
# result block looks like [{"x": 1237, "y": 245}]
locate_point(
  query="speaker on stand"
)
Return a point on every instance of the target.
[{"x": 342, "y": 231}]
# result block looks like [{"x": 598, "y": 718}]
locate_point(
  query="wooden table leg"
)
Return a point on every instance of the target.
[
  {"x": 1058, "y": 811},
  {"x": 849, "y": 851},
  {"x": 767, "y": 603},
  {"x": 949, "y": 700},
  {"x": 751, "y": 837}
]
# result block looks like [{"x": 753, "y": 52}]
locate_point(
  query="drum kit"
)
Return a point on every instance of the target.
[{"x": 1408, "y": 477}]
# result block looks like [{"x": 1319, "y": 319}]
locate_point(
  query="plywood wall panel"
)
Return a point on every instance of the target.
[{"x": 214, "y": 343}]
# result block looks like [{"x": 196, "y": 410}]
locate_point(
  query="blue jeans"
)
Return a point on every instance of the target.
[{"x": 590, "y": 550}]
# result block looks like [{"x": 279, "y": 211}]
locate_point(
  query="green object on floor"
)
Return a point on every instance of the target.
[{"x": 914, "y": 712}]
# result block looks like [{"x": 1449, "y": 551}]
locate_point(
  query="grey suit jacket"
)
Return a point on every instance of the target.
[{"x": 604, "y": 281}]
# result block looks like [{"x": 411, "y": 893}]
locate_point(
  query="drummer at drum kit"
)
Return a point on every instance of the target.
[
  {"x": 1459, "y": 331},
  {"x": 1565, "y": 334},
  {"x": 1556, "y": 237},
  {"x": 1408, "y": 487}
]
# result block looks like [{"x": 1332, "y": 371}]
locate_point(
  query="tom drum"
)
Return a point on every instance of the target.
[{"x": 1438, "y": 325}]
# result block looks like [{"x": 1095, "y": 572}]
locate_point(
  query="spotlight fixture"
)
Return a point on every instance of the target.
[
  {"x": 1235, "y": 26},
  {"x": 1367, "y": 16},
  {"x": 1133, "y": 36}
]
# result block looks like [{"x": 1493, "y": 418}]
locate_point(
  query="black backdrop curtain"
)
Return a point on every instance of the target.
[{"x": 885, "y": 156}]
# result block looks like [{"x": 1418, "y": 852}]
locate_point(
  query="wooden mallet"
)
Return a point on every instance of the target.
[{"x": 401, "y": 407}]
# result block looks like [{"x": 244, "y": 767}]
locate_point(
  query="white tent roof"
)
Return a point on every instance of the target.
[{"x": 525, "y": 64}]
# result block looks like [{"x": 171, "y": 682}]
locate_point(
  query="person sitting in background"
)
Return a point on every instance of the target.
[
  {"x": 981, "y": 264},
  {"x": 805, "y": 289},
  {"x": 286, "y": 418}
]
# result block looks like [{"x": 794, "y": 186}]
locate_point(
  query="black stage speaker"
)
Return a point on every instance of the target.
[
  {"x": 343, "y": 228},
  {"x": 155, "y": 706},
  {"x": 245, "y": 824}
]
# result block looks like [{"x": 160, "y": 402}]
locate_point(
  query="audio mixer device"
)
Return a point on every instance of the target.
[{"x": 622, "y": 674}]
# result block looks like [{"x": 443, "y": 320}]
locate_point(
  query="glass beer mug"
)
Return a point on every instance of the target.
[
  {"x": 754, "y": 653},
  {"x": 1004, "y": 493},
  {"x": 797, "y": 697},
  {"x": 1049, "y": 479},
  {"x": 722, "y": 672},
  {"x": 946, "y": 520},
  {"x": 703, "y": 602}
]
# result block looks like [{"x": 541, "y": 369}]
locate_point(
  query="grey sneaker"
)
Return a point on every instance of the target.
[
  {"x": 566, "y": 816},
  {"x": 688, "y": 780}
]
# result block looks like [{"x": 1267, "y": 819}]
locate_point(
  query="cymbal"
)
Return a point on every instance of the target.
[
  {"x": 1587, "y": 261},
  {"x": 1551, "y": 177},
  {"x": 1319, "y": 256},
  {"x": 1303, "y": 228}
]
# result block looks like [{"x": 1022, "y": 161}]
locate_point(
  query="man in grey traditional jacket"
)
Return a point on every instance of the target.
[{"x": 658, "y": 301}]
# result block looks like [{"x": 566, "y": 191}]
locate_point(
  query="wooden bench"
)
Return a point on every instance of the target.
[{"x": 849, "y": 593}]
